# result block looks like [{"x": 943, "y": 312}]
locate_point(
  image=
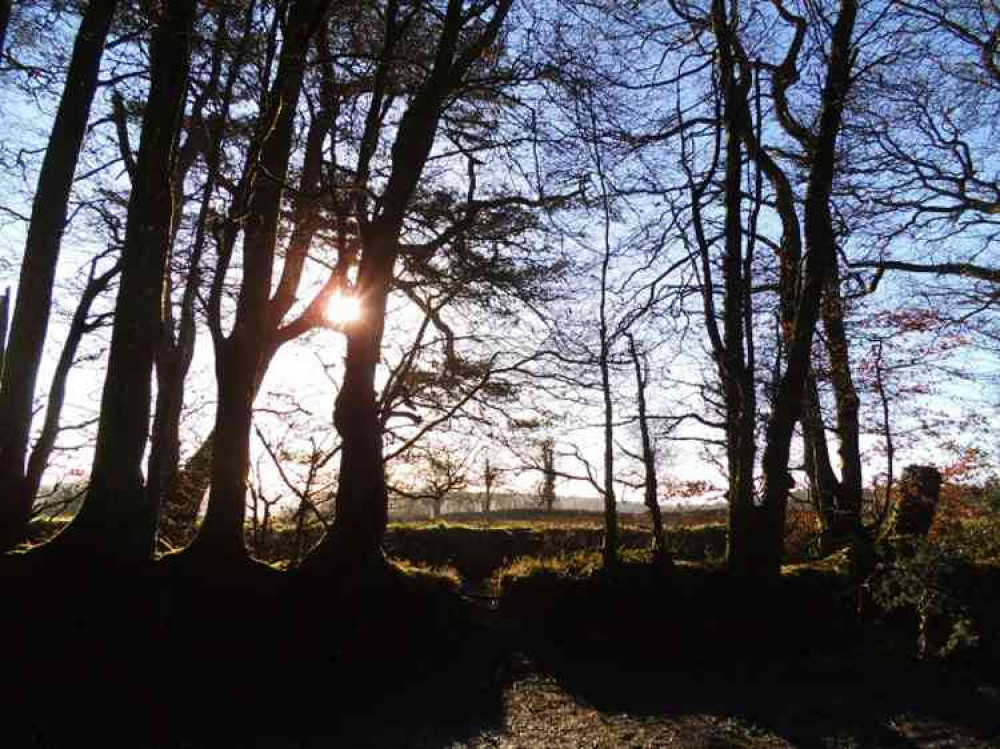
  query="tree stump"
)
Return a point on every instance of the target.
[{"x": 919, "y": 491}]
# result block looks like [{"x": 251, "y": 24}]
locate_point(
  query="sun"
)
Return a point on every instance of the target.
[{"x": 341, "y": 309}]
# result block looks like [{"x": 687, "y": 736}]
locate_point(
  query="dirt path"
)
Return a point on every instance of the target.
[
  {"x": 858, "y": 699},
  {"x": 539, "y": 712}
]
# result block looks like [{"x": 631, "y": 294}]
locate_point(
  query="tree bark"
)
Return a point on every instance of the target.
[
  {"x": 823, "y": 483},
  {"x": 847, "y": 513},
  {"x": 29, "y": 324},
  {"x": 117, "y": 516}
]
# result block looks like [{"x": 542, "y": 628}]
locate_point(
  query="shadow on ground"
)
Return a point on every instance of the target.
[
  {"x": 867, "y": 694},
  {"x": 165, "y": 657}
]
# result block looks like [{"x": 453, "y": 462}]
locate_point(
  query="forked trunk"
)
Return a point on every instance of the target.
[
  {"x": 29, "y": 325},
  {"x": 239, "y": 357},
  {"x": 819, "y": 260},
  {"x": 736, "y": 374}
]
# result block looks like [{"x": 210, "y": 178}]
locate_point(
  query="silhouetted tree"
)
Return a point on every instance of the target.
[
  {"x": 30, "y": 320},
  {"x": 117, "y": 515},
  {"x": 461, "y": 41}
]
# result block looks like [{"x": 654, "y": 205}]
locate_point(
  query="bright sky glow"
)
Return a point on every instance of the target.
[{"x": 343, "y": 309}]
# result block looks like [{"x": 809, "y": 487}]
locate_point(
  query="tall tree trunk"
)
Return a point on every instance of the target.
[
  {"x": 38, "y": 267},
  {"x": 238, "y": 357},
  {"x": 735, "y": 374},
  {"x": 176, "y": 349},
  {"x": 847, "y": 515},
  {"x": 609, "y": 549},
  {"x": 362, "y": 499},
  {"x": 117, "y": 516},
  {"x": 650, "y": 484},
  {"x": 820, "y": 256}
]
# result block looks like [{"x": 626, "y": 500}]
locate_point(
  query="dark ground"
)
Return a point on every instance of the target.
[{"x": 163, "y": 657}]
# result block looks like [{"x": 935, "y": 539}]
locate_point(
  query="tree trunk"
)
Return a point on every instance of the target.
[
  {"x": 4, "y": 326},
  {"x": 362, "y": 499},
  {"x": 735, "y": 374},
  {"x": 42, "y": 449},
  {"x": 648, "y": 459},
  {"x": 609, "y": 549},
  {"x": 239, "y": 357},
  {"x": 183, "y": 493},
  {"x": 488, "y": 479},
  {"x": 176, "y": 349},
  {"x": 820, "y": 256},
  {"x": 38, "y": 267},
  {"x": 117, "y": 516},
  {"x": 221, "y": 532},
  {"x": 847, "y": 516},
  {"x": 165, "y": 443},
  {"x": 823, "y": 484}
]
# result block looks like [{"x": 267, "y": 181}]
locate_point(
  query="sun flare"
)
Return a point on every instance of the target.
[{"x": 343, "y": 309}]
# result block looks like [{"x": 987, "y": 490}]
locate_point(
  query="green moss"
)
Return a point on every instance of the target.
[{"x": 425, "y": 575}]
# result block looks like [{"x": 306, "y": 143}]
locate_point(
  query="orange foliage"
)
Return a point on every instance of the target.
[{"x": 961, "y": 491}]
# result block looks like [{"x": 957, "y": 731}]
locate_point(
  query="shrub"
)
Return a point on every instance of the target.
[{"x": 933, "y": 581}]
